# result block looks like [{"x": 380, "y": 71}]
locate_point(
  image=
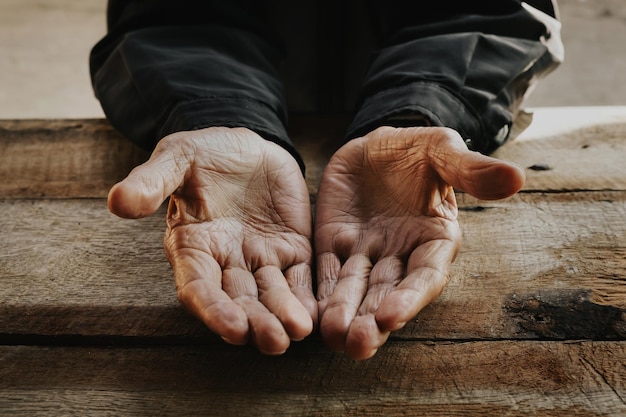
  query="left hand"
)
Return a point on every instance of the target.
[
  {"x": 386, "y": 228},
  {"x": 238, "y": 232}
]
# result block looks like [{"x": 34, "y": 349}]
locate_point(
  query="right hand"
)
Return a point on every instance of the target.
[
  {"x": 238, "y": 232},
  {"x": 386, "y": 228}
]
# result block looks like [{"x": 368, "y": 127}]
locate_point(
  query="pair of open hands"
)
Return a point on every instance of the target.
[{"x": 239, "y": 230}]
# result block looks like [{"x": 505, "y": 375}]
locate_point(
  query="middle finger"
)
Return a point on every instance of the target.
[{"x": 266, "y": 331}]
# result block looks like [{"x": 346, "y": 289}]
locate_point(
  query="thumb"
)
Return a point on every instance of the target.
[
  {"x": 479, "y": 175},
  {"x": 147, "y": 186}
]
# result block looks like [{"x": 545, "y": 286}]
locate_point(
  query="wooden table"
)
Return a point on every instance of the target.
[{"x": 533, "y": 321}]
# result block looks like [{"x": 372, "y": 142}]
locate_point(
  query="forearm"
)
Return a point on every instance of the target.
[
  {"x": 165, "y": 68},
  {"x": 468, "y": 71}
]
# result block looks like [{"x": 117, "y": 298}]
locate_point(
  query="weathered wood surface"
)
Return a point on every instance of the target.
[
  {"x": 533, "y": 321},
  {"x": 404, "y": 379},
  {"x": 62, "y": 158},
  {"x": 587, "y": 159},
  {"x": 84, "y": 158},
  {"x": 534, "y": 266}
]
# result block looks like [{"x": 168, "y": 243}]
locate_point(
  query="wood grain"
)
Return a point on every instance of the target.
[
  {"x": 532, "y": 322},
  {"x": 84, "y": 158},
  {"x": 590, "y": 158},
  {"x": 62, "y": 158},
  {"x": 533, "y": 266},
  {"x": 405, "y": 378}
]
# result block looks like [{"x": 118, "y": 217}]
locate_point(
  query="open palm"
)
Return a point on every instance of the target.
[
  {"x": 238, "y": 232},
  {"x": 386, "y": 228}
]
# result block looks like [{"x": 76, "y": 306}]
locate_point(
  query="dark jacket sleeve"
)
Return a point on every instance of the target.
[
  {"x": 168, "y": 66},
  {"x": 465, "y": 65}
]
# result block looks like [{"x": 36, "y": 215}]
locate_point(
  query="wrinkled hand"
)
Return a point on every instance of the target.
[
  {"x": 386, "y": 228},
  {"x": 238, "y": 232}
]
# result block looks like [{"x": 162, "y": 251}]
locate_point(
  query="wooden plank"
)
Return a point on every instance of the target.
[
  {"x": 591, "y": 158},
  {"x": 533, "y": 266},
  {"x": 568, "y": 139},
  {"x": 548, "y": 265},
  {"x": 404, "y": 378},
  {"x": 83, "y": 158},
  {"x": 62, "y": 158}
]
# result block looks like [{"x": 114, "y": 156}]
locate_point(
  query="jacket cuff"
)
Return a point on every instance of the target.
[
  {"x": 440, "y": 106},
  {"x": 230, "y": 112}
]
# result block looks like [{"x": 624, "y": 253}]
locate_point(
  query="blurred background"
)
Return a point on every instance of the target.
[{"x": 44, "y": 48}]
